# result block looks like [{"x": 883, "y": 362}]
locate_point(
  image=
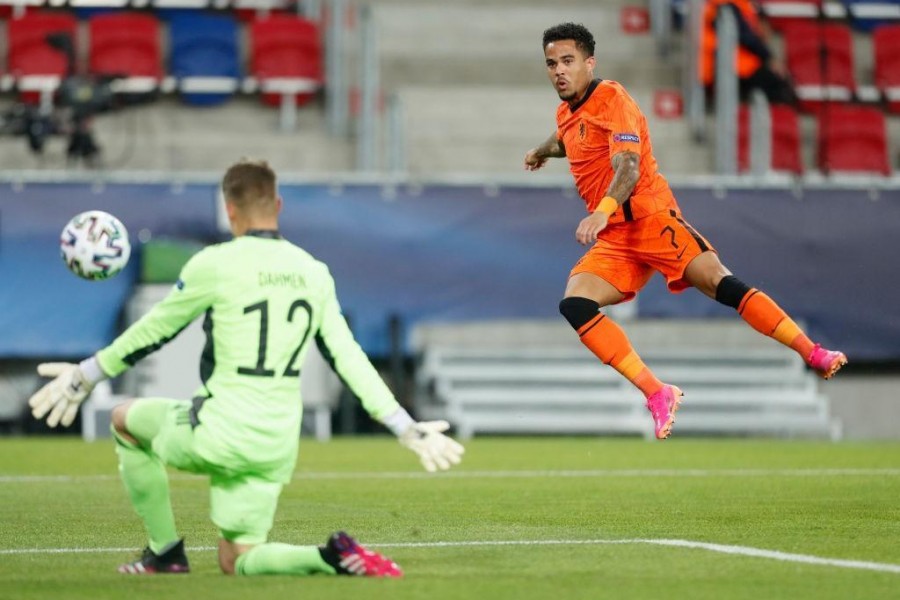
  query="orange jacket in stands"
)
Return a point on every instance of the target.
[{"x": 746, "y": 61}]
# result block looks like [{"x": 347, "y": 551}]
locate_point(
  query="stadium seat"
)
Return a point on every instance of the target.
[
  {"x": 820, "y": 61},
  {"x": 34, "y": 63},
  {"x": 852, "y": 138},
  {"x": 126, "y": 45},
  {"x": 886, "y": 42},
  {"x": 286, "y": 57},
  {"x": 867, "y": 15},
  {"x": 786, "y": 154},
  {"x": 204, "y": 56}
]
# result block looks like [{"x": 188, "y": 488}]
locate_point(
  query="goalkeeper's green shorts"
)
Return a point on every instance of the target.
[{"x": 242, "y": 504}]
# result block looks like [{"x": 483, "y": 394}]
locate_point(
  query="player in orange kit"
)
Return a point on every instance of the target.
[{"x": 635, "y": 225}]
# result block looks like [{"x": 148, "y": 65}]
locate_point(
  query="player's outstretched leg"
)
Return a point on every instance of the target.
[
  {"x": 610, "y": 344},
  {"x": 348, "y": 557},
  {"x": 171, "y": 559},
  {"x": 765, "y": 316}
]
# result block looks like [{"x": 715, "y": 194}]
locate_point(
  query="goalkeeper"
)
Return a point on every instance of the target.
[{"x": 265, "y": 300}]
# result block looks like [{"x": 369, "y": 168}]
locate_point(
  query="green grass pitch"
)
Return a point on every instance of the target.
[{"x": 578, "y": 509}]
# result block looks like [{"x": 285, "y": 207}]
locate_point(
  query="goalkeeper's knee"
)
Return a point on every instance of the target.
[
  {"x": 117, "y": 417},
  {"x": 141, "y": 420},
  {"x": 578, "y": 311},
  {"x": 118, "y": 427}
]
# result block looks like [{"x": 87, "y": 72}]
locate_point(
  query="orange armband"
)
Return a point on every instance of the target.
[{"x": 608, "y": 205}]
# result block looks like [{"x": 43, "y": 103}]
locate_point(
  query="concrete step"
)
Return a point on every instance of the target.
[
  {"x": 525, "y": 69},
  {"x": 498, "y": 30},
  {"x": 476, "y": 128},
  {"x": 494, "y": 44},
  {"x": 473, "y": 83},
  {"x": 168, "y": 135},
  {"x": 489, "y": 129}
]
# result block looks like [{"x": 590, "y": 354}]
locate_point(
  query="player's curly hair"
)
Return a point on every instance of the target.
[
  {"x": 250, "y": 184},
  {"x": 584, "y": 40}
]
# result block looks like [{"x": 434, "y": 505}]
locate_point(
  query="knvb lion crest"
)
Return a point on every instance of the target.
[{"x": 582, "y": 130}]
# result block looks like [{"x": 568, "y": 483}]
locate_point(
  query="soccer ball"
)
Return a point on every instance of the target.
[{"x": 94, "y": 245}]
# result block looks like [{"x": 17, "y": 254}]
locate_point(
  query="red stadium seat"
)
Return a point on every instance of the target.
[
  {"x": 820, "y": 60},
  {"x": 126, "y": 44},
  {"x": 886, "y": 41},
  {"x": 853, "y": 138},
  {"x": 285, "y": 56},
  {"x": 785, "y": 139},
  {"x": 29, "y": 52}
]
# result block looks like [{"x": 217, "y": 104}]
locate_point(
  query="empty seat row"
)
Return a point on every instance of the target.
[
  {"x": 284, "y": 51},
  {"x": 864, "y": 15},
  {"x": 820, "y": 60},
  {"x": 851, "y": 139},
  {"x": 245, "y": 10}
]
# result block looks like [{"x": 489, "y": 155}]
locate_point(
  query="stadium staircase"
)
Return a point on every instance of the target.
[
  {"x": 528, "y": 378},
  {"x": 475, "y": 96}
]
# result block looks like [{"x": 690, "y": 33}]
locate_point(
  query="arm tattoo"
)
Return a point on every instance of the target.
[
  {"x": 627, "y": 168},
  {"x": 552, "y": 148}
]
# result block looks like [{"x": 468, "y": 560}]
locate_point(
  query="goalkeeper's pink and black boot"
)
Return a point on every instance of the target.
[
  {"x": 825, "y": 362},
  {"x": 173, "y": 560},
  {"x": 347, "y": 557}
]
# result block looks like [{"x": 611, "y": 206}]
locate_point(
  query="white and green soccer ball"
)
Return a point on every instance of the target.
[{"x": 94, "y": 245}]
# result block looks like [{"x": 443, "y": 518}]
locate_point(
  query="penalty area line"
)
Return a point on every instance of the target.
[{"x": 710, "y": 547}]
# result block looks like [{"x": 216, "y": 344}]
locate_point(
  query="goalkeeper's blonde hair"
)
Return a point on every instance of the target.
[{"x": 251, "y": 185}]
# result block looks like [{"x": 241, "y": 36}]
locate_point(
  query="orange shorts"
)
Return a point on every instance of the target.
[{"x": 626, "y": 254}]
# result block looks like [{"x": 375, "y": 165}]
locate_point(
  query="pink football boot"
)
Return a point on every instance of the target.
[
  {"x": 826, "y": 362},
  {"x": 662, "y": 405}
]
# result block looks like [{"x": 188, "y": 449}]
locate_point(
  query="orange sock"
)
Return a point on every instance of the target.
[
  {"x": 763, "y": 315},
  {"x": 610, "y": 344}
]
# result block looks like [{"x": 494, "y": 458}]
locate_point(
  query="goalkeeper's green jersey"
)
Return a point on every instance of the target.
[{"x": 264, "y": 300}]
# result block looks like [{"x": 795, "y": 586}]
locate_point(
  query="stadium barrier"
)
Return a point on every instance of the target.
[{"x": 449, "y": 253}]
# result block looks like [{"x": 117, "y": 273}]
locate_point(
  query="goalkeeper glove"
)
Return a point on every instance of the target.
[
  {"x": 435, "y": 450},
  {"x": 62, "y": 396}
]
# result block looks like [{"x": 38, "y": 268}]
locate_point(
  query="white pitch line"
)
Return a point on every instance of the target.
[
  {"x": 720, "y": 548},
  {"x": 523, "y": 474},
  {"x": 782, "y": 556},
  {"x": 597, "y": 473}
]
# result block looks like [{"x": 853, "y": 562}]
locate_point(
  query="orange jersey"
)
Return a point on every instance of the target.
[{"x": 605, "y": 122}]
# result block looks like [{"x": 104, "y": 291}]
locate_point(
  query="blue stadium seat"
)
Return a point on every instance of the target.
[
  {"x": 866, "y": 15},
  {"x": 205, "y": 57}
]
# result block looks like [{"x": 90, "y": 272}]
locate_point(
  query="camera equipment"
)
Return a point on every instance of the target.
[{"x": 78, "y": 98}]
